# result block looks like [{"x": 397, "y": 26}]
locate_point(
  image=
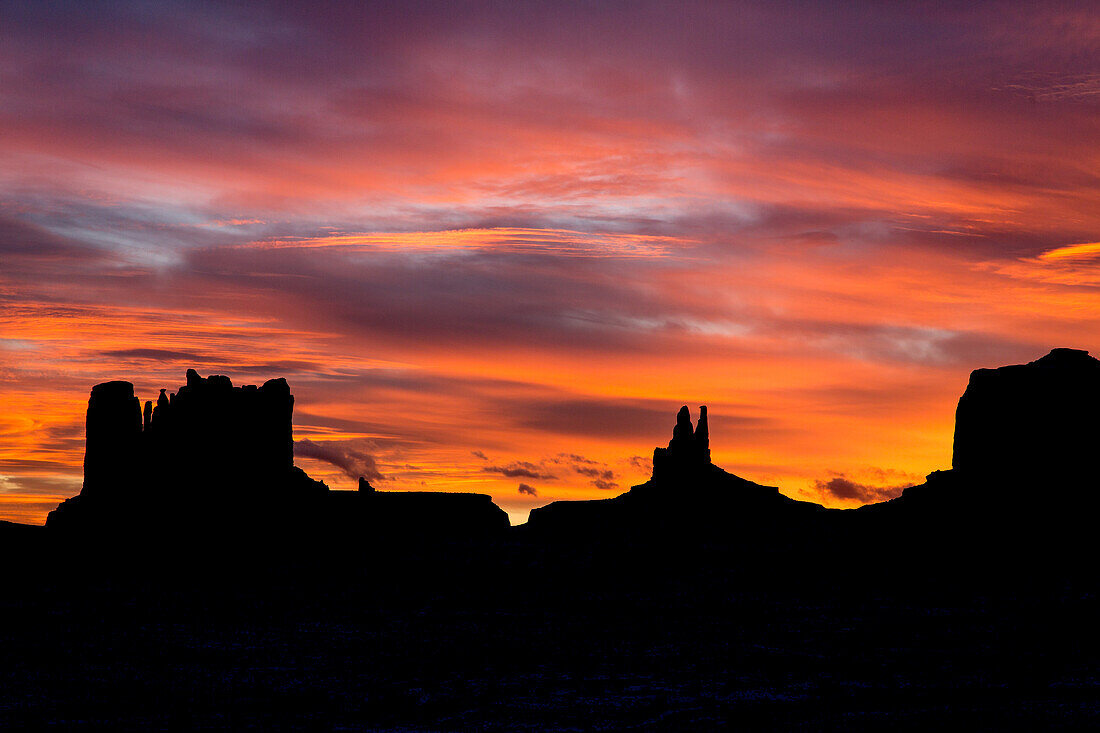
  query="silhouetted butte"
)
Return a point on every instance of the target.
[
  {"x": 687, "y": 496},
  {"x": 213, "y": 461}
]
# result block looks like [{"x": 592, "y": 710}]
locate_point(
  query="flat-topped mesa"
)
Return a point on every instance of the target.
[
  {"x": 1028, "y": 420},
  {"x": 689, "y": 450}
]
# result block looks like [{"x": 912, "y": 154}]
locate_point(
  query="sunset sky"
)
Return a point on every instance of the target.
[{"x": 494, "y": 246}]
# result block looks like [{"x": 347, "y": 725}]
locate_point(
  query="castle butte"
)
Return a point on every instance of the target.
[{"x": 212, "y": 459}]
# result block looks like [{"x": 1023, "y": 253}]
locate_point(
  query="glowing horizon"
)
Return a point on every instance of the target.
[{"x": 498, "y": 248}]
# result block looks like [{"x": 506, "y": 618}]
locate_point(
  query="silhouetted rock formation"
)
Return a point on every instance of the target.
[
  {"x": 113, "y": 449},
  {"x": 210, "y": 450},
  {"x": 1036, "y": 419},
  {"x": 688, "y": 452},
  {"x": 686, "y": 493},
  {"x": 366, "y": 515},
  {"x": 1023, "y": 479},
  {"x": 695, "y": 601},
  {"x": 214, "y": 458}
]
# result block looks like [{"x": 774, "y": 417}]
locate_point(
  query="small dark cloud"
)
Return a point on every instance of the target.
[
  {"x": 641, "y": 463},
  {"x": 520, "y": 469},
  {"x": 574, "y": 458},
  {"x": 528, "y": 489},
  {"x": 605, "y": 474},
  {"x": 602, "y": 476},
  {"x": 840, "y": 487},
  {"x": 350, "y": 460},
  {"x": 479, "y": 454},
  {"x": 585, "y": 466}
]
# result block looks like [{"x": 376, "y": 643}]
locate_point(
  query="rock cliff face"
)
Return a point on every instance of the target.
[{"x": 1030, "y": 419}]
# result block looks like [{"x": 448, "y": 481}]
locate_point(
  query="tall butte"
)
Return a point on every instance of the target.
[
  {"x": 207, "y": 449},
  {"x": 1030, "y": 420}
]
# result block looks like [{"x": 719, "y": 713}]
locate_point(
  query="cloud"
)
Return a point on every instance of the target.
[
  {"x": 1057, "y": 87},
  {"x": 606, "y": 474},
  {"x": 28, "y": 499},
  {"x": 48, "y": 486},
  {"x": 575, "y": 458},
  {"x": 1073, "y": 265},
  {"x": 520, "y": 469},
  {"x": 528, "y": 489},
  {"x": 1083, "y": 251},
  {"x": 602, "y": 476},
  {"x": 37, "y": 465},
  {"x": 350, "y": 460},
  {"x": 447, "y": 294},
  {"x": 23, "y": 239},
  {"x": 845, "y": 489}
]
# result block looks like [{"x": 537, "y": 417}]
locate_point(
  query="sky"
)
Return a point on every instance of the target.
[{"x": 494, "y": 247}]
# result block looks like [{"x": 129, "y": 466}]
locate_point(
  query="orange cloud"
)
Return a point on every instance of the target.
[{"x": 1085, "y": 251}]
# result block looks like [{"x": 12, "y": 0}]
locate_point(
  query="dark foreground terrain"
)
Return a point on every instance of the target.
[
  {"x": 503, "y": 637},
  {"x": 233, "y": 591}
]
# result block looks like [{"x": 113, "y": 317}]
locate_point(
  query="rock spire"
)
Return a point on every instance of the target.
[{"x": 689, "y": 450}]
